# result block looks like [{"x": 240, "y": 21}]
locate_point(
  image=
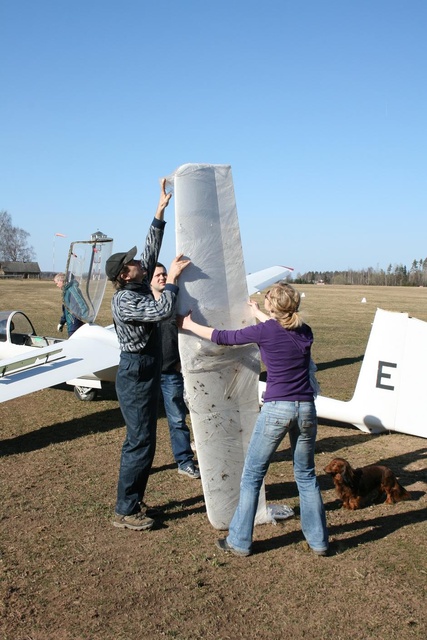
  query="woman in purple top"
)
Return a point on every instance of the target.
[{"x": 285, "y": 345}]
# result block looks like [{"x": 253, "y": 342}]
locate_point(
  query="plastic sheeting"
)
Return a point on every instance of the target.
[
  {"x": 85, "y": 276},
  {"x": 221, "y": 382}
]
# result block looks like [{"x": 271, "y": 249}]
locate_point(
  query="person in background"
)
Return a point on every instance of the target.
[
  {"x": 136, "y": 317},
  {"x": 74, "y": 300},
  {"x": 172, "y": 385},
  {"x": 285, "y": 344}
]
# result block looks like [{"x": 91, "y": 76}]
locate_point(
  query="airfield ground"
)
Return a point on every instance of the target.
[{"x": 67, "y": 574}]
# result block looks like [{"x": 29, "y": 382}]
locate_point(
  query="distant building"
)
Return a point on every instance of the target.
[{"x": 23, "y": 270}]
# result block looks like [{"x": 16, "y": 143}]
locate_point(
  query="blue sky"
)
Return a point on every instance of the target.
[{"x": 319, "y": 106}]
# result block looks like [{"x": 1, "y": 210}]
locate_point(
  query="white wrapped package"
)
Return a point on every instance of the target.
[{"x": 221, "y": 383}]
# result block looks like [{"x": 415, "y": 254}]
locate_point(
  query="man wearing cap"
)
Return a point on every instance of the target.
[{"x": 136, "y": 317}]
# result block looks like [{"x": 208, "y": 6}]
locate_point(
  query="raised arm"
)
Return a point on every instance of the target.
[
  {"x": 256, "y": 311},
  {"x": 163, "y": 200},
  {"x": 178, "y": 265}
]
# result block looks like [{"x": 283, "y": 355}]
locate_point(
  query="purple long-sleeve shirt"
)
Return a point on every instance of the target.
[{"x": 285, "y": 353}]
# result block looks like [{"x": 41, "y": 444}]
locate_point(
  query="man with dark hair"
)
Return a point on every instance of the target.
[
  {"x": 136, "y": 317},
  {"x": 172, "y": 385}
]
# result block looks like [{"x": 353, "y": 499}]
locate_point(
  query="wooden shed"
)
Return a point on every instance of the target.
[{"x": 23, "y": 270}]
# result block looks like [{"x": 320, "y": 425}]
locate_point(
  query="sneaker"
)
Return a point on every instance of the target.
[
  {"x": 137, "y": 521},
  {"x": 318, "y": 552},
  {"x": 190, "y": 470},
  {"x": 222, "y": 544},
  {"x": 321, "y": 552}
]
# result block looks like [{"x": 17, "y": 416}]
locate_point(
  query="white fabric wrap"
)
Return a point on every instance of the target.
[{"x": 221, "y": 382}]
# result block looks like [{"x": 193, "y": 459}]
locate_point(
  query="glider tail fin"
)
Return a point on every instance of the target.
[{"x": 392, "y": 379}]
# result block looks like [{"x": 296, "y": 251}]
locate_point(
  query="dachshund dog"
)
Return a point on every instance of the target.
[{"x": 357, "y": 487}]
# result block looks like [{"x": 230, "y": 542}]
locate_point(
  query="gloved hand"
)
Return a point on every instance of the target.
[{"x": 60, "y": 327}]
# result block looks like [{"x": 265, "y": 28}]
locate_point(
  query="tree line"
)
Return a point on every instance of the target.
[
  {"x": 393, "y": 276},
  {"x": 14, "y": 245}
]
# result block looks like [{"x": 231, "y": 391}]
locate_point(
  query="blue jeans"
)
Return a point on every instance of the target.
[
  {"x": 138, "y": 388},
  {"x": 172, "y": 385},
  {"x": 275, "y": 420}
]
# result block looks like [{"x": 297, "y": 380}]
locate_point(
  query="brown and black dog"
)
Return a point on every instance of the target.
[{"x": 357, "y": 487}]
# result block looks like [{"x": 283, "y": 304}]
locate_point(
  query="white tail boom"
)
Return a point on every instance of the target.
[{"x": 389, "y": 394}]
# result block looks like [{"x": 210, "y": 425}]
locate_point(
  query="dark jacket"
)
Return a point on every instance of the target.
[{"x": 171, "y": 360}]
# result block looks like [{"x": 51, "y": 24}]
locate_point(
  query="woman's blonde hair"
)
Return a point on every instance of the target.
[{"x": 284, "y": 301}]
